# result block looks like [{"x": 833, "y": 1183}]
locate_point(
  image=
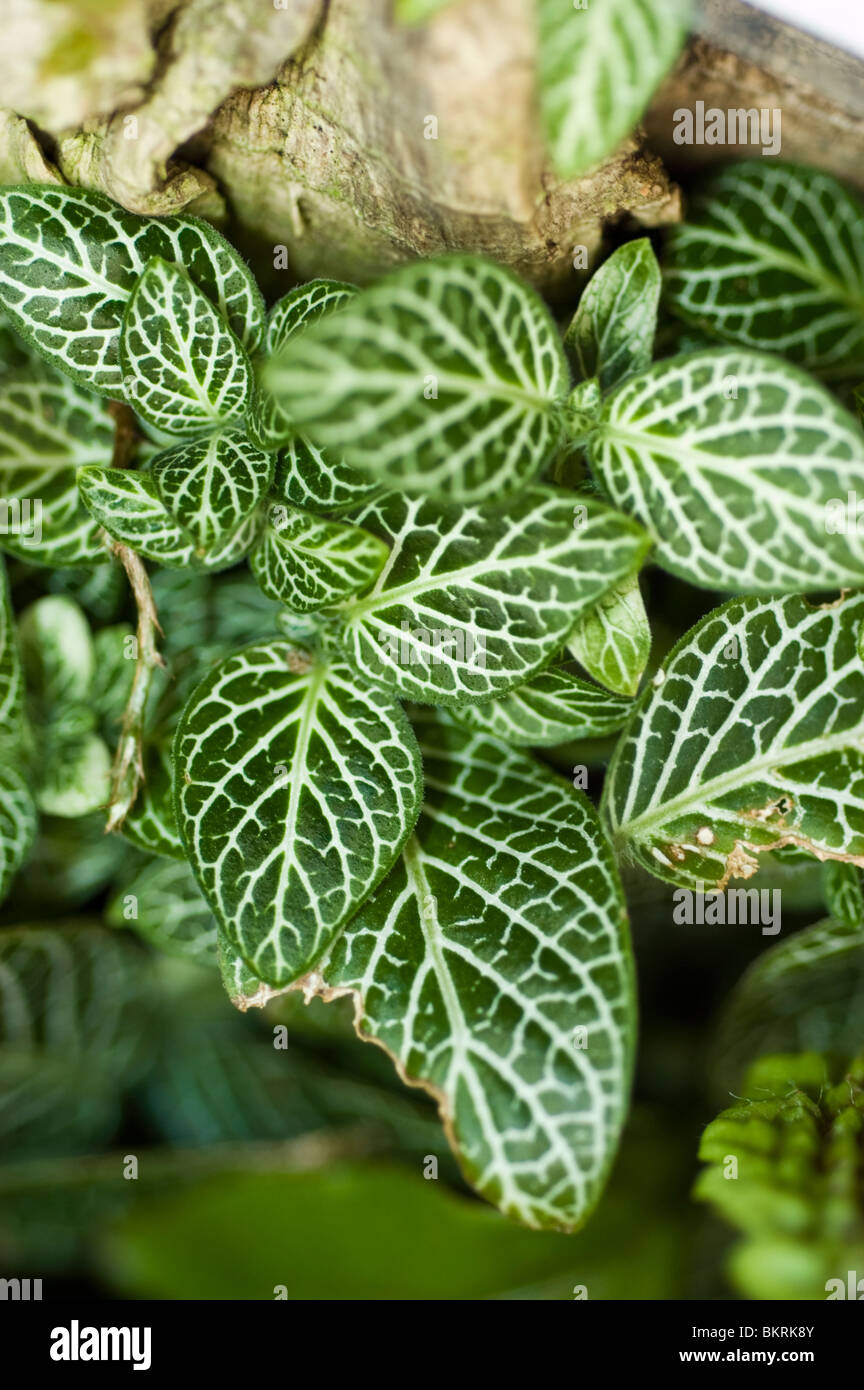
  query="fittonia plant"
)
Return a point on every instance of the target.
[{"x": 445, "y": 509}]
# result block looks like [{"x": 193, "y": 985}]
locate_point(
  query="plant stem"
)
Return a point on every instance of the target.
[{"x": 127, "y": 772}]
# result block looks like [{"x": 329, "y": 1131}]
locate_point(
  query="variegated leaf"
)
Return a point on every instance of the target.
[
  {"x": 473, "y": 600},
  {"x": 494, "y": 965},
  {"x": 11, "y": 678},
  {"x": 752, "y": 737},
  {"x": 72, "y": 761},
  {"x": 291, "y": 314},
  {"x": 70, "y": 258},
  {"x": 844, "y": 893},
  {"x": 613, "y": 639},
  {"x": 211, "y": 485},
  {"x": 599, "y": 66},
  {"x": 740, "y": 467},
  {"x": 151, "y": 823},
  {"x": 611, "y": 335},
  {"x": 552, "y": 707},
  {"x": 307, "y": 476},
  {"x": 18, "y": 821},
  {"x": 183, "y": 368},
  {"x": 772, "y": 256},
  {"x": 57, "y": 652},
  {"x": 74, "y": 771},
  {"x": 444, "y": 378},
  {"x": 806, "y": 994},
  {"x": 130, "y": 508},
  {"x": 73, "y": 1019},
  {"x": 296, "y": 787},
  {"x": 48, "y": 428},
  {"x": 163, "y": 904},
  {"x": 310, "y": 564},
  {"x": 114, "y": 655}
]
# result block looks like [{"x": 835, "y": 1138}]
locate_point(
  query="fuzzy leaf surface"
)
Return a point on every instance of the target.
[
  {"x": 613, "y": 640},
  {"x": 611, "y": 335}
]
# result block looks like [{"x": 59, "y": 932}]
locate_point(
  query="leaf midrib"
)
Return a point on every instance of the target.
[
  {"x": 738, "y": 777},
  {"x": 837, "y": 289}
]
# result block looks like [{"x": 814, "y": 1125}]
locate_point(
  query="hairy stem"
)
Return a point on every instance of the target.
[{"x": 127, "y": 772}]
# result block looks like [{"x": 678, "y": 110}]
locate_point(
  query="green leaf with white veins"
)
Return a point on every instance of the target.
[
  {"x": 309, "y": 477},
  {"x": 163, "y": 904},
  {"x": 444, "y": 378},
  {"x": 17, "y": 810},
  {"x": 296, "y": 788},
  {"x": 129, "y": 506},
  {"x": 309, "y": 564},
  {"x": 599, "y": 65},
  {"x": 611, "y": 335},
  {"x": 211, "y": 485},
  {"x": 18, "y": 822},
  {"x": 70, "y": 258},
  {"x": 74, "y": 772},
  {"x": 151, "y": 823},
  {"x": 473, "y": 600},
  {"x": 48, "y": 428},
  {"x": 183, "y": 368},
  {"x": 613, "y": 640},
  {"x": 772, "y": 256},
  {"x": 805, "y": 994},
  {"x": 736, "y": 463},
  {"x": 752, "y": 737},
  {"x": 293, "y": 313},
  {"x": 552, "y": 707},
  {"x": 57, "y": 651},
  {"x": 494, "y": 965},
  {"x": 11, "y": 679}
]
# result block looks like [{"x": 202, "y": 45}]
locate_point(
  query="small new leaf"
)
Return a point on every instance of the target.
[
  {"x": 613, "y": 640},
  {"x": 611, "y": 335},
  {"x": 553, "y": 707},
  {"x": 308, "y": 564}
]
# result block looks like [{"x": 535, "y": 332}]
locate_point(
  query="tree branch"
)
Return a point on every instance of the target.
[{"x": 127, "y": 772}]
